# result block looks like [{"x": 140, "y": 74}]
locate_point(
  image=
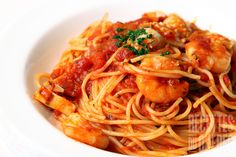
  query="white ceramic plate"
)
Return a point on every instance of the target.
[{"x": 34, "y": 44}]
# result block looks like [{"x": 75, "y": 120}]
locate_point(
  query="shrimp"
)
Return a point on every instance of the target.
[
  {"x": 161, "y": 90},
  {"x": 81, "y": 130},
  {"x": 176, "y": 23},
  {"x": 210, "y": 51},
  {"x": 173, "y": 28}
]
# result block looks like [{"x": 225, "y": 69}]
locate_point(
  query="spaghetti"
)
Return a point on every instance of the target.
[{"x": 155, "y": 86}]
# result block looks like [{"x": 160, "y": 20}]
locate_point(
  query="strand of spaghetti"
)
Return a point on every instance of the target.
[
  {"x": 83, "y": 105},
  {"x": 205, "y": 84},
  {"x": 79, "y": 44},
  {"x": 123, "y": 140},
  {"x": 177, "y": 151},
  {"x": 99, "y": 37},
  {"x": 146, "y": 128},
  {"x": 134, "y": 70},
  {"x": 162, "y": 153},
  {"x": 122, "y": 107},
  {"x": 170, "y": 140},
  {"x": 186, "y": 112},
  {"x": 223, "y": 85},
  {"x": 154, "y": 134},
  {"x": 141, "y": 57},
  {"x": 173, "y": 134},
  {"x": 128, "y": 112},
  {"x": 228, "y": 126},
  {"x": 209, "y": 141},
  {"x": 221, "y": 99},
  {"x": 139, "y": 143},
  {"x": 119, "y": 145},
  {"x": 156, "y": 153},
  {"x": 121, "y": 122},
  {"x": 124, "y": 91},
  {"x": 94, "y": 90},
  {"x": 38, "y": 78},
  {"x": 136, "y": 112},
  {"x": 209, "y": 74},
  {"x": 116, "y": 116},
  {"x": 90, "y": 30},
  {"x": 84, "y": 94},
  {"x": 173, "y": 72},
  {"x": 114, "y": 111},
  {"x": 136, "y": 107},
  {"x": 130, "y": 144},
  {"x": 141, "y": 136},
  {"x": 153, "y": 146},
  {"x": 103, "y": 23},
  {"x": 201, "y": 99},
  {"x": 106, "y": 74},
  {"x": 172, "y": 114},
  {"x": 190, "y": 69},
  {"x": 166, "y": 112},
  {"x": 223, "y": 135},
  {"x": 177, "y": 53},
  {"x": 137, "y": 101},
  {"x": 175, "y": 122},
  {"x": 97, "y": 116}
]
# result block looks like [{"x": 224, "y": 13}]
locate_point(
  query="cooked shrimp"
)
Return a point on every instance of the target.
[
  {"x": 161, "y": 90},
  {"x": 176, "y": 23},
  {"x": 80, "y": 129},
  {"x": 210, "y": 51}
]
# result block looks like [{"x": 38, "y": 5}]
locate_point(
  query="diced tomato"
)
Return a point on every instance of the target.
[
  {"x": 81, "y": 65},
  {"x": 99, "y": 59},
  {"x": 124, "y": 54},
  {"x": 57, "y": 72},
  {"x": 70, "y": 86}
]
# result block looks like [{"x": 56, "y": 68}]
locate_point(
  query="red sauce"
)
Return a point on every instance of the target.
[
  {"x": 70, "y": 77},
  {"x": 124, "y": 54}
]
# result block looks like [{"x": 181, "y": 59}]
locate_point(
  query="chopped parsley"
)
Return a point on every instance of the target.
[
  {"x": 136, "y": 37},
  {"x": 165, "y": 53},
  {"x": 119, "y": 29}
]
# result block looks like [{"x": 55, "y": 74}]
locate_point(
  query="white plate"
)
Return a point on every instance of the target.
[{"x": 34, "y": 44}]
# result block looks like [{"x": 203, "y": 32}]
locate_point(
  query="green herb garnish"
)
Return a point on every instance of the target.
[
  {"x": 119, "y": 29},
  {"x": 165, "y": 53},
  {"x": 136, "y": 37},
  {"x": 142, "y": 51}
]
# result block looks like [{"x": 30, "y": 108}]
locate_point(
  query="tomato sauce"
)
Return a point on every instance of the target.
[{"x": 70, "y": 77}]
